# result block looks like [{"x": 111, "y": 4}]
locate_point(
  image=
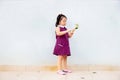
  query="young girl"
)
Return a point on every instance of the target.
[{"x": 62, "y": 49}]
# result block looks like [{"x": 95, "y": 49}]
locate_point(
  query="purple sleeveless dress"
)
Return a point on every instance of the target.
[{"x": 62, "y": 44}]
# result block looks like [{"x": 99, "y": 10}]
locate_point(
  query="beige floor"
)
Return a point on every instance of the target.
[{"x": 51, "y": 75}]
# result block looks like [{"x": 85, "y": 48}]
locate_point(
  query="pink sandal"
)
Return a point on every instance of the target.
[
  {"x": 61, "y": 72},
  {"x": 67, "y": 71}
]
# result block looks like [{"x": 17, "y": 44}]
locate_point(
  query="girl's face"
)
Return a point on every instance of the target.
[{"x": 63, "y": 21}]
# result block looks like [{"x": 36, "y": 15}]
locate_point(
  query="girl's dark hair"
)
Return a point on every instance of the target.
[{"x": 59, "y": 18}]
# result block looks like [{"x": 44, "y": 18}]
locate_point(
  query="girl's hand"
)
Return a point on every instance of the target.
[
  {"x": 68, "y": 30},
  {"x": 73, "y": 30},
  {"x": 71, "y": 33}
]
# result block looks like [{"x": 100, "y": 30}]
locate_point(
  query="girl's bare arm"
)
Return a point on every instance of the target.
[{"x": 60, "y": 33}]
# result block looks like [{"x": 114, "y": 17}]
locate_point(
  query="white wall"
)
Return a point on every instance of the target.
[{"x": 27, "y": 34}]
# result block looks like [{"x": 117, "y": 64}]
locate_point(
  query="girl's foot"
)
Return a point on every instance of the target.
[
  {"x": 61, "y": 72},
  {"x": 67, "y": 71}
]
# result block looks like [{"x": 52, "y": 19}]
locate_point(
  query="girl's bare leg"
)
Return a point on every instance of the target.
[
  {"x": 59, "y": 63},
  {"x": 65, "y": 67},
  {"x": 64, "y": 61}
]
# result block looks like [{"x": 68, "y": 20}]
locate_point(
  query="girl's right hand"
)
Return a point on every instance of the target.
[
  {"x": 69, "y": 30},
  {"x": 73, "y": 30}
]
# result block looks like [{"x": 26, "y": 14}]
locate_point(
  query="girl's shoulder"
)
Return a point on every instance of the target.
[{"x": 57, "y": 28}]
